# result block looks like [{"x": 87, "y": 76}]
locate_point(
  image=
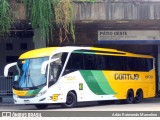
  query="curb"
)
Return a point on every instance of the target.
[
  {"x": 6, "y": 100},
  {"x": 6, "y": 104}
]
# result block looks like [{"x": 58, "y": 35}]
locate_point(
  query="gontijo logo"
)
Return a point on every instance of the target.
[{"x": 120, "y": 76}]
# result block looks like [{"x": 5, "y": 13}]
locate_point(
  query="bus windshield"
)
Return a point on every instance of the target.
[{"x": 30, "y": 76}]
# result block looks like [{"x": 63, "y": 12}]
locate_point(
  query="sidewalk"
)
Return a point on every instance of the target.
[{"x": 6, "y": 100}]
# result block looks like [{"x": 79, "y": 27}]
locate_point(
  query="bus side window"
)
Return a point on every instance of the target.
[
  {"x": 117, "y": 63},
  {"x": 150, "y": 64},
  {"x": 108, "y": 62},
  {"x": 141, "y": 64},
  {"x": 75, "y": 62},
  {"x": 100, "y": 62},
  {"x": 90, "y": 62},
  {"x": 130, "y": 64}
]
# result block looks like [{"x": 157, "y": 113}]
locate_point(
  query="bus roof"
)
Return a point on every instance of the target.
[{"x": 43, "y": 52}]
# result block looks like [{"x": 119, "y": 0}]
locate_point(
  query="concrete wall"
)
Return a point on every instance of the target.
[
  {"x": 117, "y": 10},
  {"x": 106, "y": 10}
]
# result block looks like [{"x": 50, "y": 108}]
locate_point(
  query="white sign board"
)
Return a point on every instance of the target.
[{"x": 128, "y": 35}]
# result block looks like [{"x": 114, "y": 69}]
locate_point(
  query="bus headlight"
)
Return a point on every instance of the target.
[
  {"x": 41, "y": 93},
  {"x": 14, "y": 95}
]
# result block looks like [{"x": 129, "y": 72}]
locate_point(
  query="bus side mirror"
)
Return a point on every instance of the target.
[{"x": 7, "y": 67}]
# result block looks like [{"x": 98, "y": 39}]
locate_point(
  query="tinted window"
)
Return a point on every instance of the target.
[
  {"x": 90, "y": 61},
  {"x": 75, "y": 62},
  {"x": 114, "y": 62},
  {"x": 79, "y": 61},
  {"x": 139, "y": 64}
]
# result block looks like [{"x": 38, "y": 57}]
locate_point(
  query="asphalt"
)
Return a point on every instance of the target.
[{"x": 8, "y": 100}]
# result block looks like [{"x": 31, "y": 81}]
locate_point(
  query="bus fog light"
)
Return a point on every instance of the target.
[{"x": 14, "y": 95}]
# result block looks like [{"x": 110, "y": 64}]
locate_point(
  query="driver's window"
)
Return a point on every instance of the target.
[{"x": 55, "y": 69}]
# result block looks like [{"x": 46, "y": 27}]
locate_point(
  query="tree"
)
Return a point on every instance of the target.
[{"x": 45, "y": 15}]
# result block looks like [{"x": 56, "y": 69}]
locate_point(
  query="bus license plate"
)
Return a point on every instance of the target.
[{"x": 26, "y": 101}]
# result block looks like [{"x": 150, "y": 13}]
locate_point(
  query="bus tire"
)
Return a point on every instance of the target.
[
  {"x": 41, "y": 106},
  {"x": 130, "y": 97},
  {"x": 71, "y": 100},
  {"x": 139, "y": 96}
]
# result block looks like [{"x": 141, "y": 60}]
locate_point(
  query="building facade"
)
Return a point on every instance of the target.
[{"x": 129, "y": 25}]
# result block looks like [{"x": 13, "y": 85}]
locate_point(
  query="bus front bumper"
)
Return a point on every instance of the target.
[
  {"x": 44, "y": 99},
  {"x": 34, "y": 100}
]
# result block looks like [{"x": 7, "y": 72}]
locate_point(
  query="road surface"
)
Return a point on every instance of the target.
[{"x": 152, "y": 104}]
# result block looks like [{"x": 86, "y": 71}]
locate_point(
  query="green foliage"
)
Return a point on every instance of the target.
[
  {"x": 5, "y": 16},
  {"x": 40, "y": 14},
  {"x": 64, "y": 16},
  {"x": 44, "y": 15}
]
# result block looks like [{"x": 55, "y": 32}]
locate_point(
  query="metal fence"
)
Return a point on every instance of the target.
[{"x": 6, "y": 86}]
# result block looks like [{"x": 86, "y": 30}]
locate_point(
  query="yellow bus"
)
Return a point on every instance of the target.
[{"x": 69, "y": 75}]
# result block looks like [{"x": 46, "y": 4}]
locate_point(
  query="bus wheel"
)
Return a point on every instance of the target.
[
  {"x": 71, "y": 100},
  {"x": 139, "y": 96},
  {"x": 41, "y": 106},
  {"x": 130, "y": 97}
]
